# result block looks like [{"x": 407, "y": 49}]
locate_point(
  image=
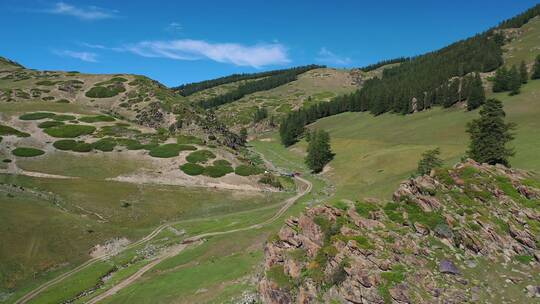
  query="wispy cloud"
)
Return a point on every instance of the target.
[
  {"x": 326, "y": 56},
  {"x": 174, "y": 27},
  {"x": 84, "y": 56},
  {"x": 187, "y": 49},
  {"x": 84, "y": 13},
  {"x": 93, "y": 46}
]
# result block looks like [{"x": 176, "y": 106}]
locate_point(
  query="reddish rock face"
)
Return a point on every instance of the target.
[{"x": 389, "y": 255}]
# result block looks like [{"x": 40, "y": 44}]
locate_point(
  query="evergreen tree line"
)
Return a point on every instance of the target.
[
  {"x": 191, "y": 88},
  {"x": 520, "y": 19},
  {"x": 257, "y": 85},
  {"x": 379, "y": 64},
  {"x": 468, "y": 87},
  {"x": 510, "y": 79},
  {"x": 438, "y": 78}
]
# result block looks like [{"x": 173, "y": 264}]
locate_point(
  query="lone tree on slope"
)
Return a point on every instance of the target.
[
  {"x": 319, "y": 151},
  {"x": 430, "y": 160},
  {"x": 490, "y": 135}
]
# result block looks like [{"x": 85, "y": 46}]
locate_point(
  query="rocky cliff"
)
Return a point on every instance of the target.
[{"x": 470, "y": 234}]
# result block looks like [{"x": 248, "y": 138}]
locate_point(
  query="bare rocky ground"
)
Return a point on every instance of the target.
[{"x": 470, "y": 234}]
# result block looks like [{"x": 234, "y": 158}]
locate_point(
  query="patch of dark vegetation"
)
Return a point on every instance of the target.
[
  {"x": 97, "y": 118},
  {"x": 27, "y": 152},
  {"x": 192, "y": 169},
  {"x": 7, "y": 130},
  {"x": 247, "y": 170},
  {"x": 63, "y": 117},
  {"x": 49, "y": 124},
  {"x": 201, "y": 156},
  {"x": 36, "y": 116},
  {"x": 105, "y": 144},
  {"x": 105, "y": 92},
  {"x": 218, "y": 169},
  {"x": 70, "y": 131},
  {"x": 72, "y": 145}
]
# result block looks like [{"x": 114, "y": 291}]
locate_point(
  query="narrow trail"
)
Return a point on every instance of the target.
[{"x": 304, "y": 188}]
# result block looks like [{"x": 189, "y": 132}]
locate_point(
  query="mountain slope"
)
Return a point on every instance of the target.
[{"x": 468, "y": 234}]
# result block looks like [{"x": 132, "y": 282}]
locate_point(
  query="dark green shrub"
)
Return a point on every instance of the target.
[
  {"x": 27, "y": 152},
  {"x": 6, "y": 130},
  {"x": 105, "y": 92},
  {"x": 70, "y": 131},
  {"x": 192, "y": 169},
  {"x": 217, "y": 170},
  {"x": 200, "y": 156},
  {"x": 247, "y": 170},
  {"x": 36, "y": 116},
  {"x": 222, "y": 162},
  {"x": 65, "y": 144},
  {"x": 96, "y": 118},
  {"x": 63, "y": 117},
  {"x": 62, "y": 101},
  {"x": 104, "y": 144},
  {"x": 130, "y": 144},
  {"x": 49, "y": 124}
]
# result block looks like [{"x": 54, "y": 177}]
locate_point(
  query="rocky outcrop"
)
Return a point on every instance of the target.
[{"x": 466, "y": 234}]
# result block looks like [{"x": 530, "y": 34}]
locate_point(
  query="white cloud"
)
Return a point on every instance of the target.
[
  {"x": 326, "y": 56},
  {"x": 174, "y": 27},
  {"x": 186, "y": 49},
  {"x": 93, "y": 46},
  {"x": 85, "y": 13},
  {"x": 84, "y": 56}
]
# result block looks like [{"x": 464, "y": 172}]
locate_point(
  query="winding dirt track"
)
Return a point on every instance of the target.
[{"x": 304, "y": 188}]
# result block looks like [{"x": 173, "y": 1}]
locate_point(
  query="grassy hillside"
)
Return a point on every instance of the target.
[
  {"x": 525, "y": 46},
  {"x": 374, "y": 153},
  {"x": 314, "y": 86}
]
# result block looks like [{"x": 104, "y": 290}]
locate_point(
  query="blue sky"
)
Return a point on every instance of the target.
[{"x": 184, "y": 41}]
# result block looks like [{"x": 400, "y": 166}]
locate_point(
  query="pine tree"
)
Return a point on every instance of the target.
[
  {"x": 476, "y": 95},
  {"x": 430, "y": 160},
  {"x": 536, "y": 68},
  {"x": 500, "y": 83},
  {"x": 514, "y": 81},
  {"x": 319, "y": 151},
  {"x": 490, "y": 134},
  {"x": 523, "y": 73}
]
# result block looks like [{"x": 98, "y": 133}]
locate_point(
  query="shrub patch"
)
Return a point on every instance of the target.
[
  {"x": 49, "y": 124},
  {"x": 96, "y": 118},
  {"x": 27, "y": 152},
  {"x": 36, "y": 116},
  {"x": 247, "y": 170},
  {"x": 6, "y": 130},
  {"x": 200, "y": 156},
  {"x": 192, "y": 169},
  {"x": 70, "y": 131}
]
